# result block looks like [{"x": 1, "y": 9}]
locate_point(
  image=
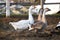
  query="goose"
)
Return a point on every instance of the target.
[
  {"x": 42, "y": 20},
  {"x": 58, "y": 26},
  {"x": 13, "y": 9},
  {"x": 24, "y": 24}
]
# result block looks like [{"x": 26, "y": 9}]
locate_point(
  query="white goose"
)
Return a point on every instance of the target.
[{"x": 24, "y": 24}]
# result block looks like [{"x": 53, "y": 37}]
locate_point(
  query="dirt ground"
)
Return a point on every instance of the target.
[{"x": 49, "y": 34}]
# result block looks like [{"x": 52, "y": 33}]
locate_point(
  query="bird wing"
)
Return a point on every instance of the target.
[{"x": 23, "y": 24}]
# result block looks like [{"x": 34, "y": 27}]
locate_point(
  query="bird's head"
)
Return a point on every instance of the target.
[{"x": 47, "y": 9}]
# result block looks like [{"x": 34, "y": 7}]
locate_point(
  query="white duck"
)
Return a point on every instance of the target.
[{"x": 24, "y": 24}]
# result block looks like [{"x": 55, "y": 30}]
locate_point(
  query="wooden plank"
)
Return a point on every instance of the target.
[
  {"x": 50, "y": 3},
  {"x": 27, "y": 4}
]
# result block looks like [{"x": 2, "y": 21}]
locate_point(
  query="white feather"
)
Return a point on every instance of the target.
[{"x": 23, "y": 24}]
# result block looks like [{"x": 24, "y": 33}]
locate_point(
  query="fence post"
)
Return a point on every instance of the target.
[
  {"x": 39, "y": 15},
  {"x": 7, "y": 8}
]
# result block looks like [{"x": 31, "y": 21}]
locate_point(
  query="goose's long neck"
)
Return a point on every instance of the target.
[
  {"x": 44, "y": 13},
  {"x": 43, "y": 17},
  {"x": 31, "y": 20}
]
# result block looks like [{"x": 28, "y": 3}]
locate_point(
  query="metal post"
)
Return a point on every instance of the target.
[
  {"x": 41, "y": 6},
  {"x": 7, "y": 8},
  {"x": 41, "y": 11}
]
